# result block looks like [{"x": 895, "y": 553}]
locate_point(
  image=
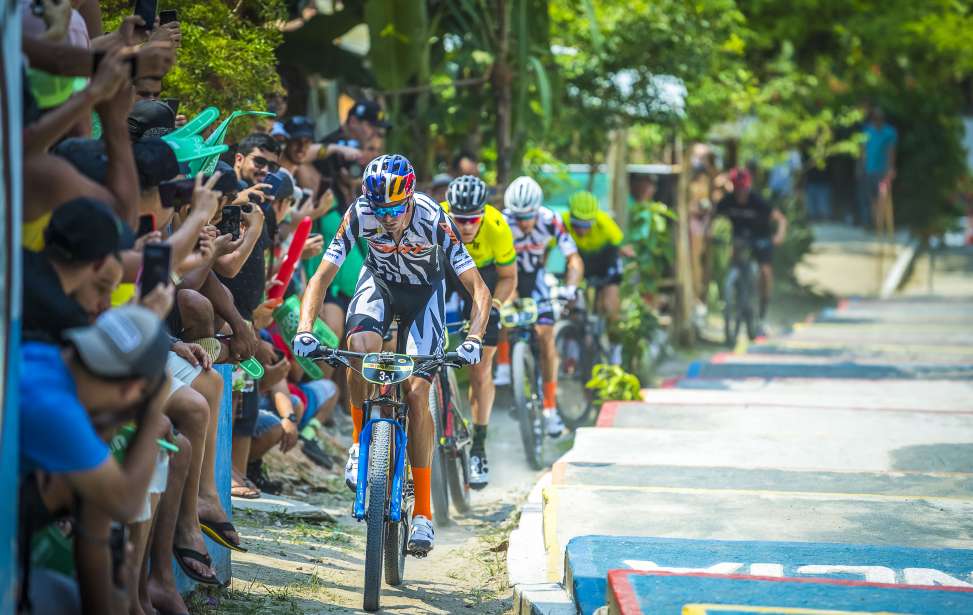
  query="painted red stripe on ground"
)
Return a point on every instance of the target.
[
  {"x": 621, "y": 588},
  {"x": 730, "y": 405},
  {"x": 670, "y": 383},
  {"x": 809, "y": 580},
  {"x": 606, "y": 418}
]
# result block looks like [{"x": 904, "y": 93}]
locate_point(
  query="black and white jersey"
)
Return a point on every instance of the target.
[
  {"x": 415, "y": 258},
  {"x": 532, "y": 247}
]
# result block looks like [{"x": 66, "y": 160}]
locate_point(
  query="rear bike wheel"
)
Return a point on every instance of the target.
[
  {"x": 574, "y": 370},
  {"x": 440, "y": 456},
  {"x": 522, "y": 370},
  {"x": 457, "y": 460},
  {"x": 379, "y": 469},
  {"x": 397, "y": 538}
]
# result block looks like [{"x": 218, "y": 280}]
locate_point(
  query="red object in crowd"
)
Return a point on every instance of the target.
[{"x": 287, "y": 268}]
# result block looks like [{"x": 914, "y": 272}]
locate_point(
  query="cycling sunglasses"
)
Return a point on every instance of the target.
[
  {"x": 524, "y": 217},
  {"x": 579, "y": 223},
  {"x": 262, "y": 162},
  {"x": 474, "y": 219},
  {"x": 394, "y": 211}
]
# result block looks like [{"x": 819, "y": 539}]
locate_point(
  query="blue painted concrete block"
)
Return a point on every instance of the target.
[
  {"x": 224, "y": 441},
  {"x": 638, "y": 593},
  {"x": 589, "y": 558}
]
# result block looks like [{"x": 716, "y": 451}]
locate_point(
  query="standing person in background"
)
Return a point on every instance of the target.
[
  {"x": 877, "y": 163},
  {"x": 465, "y": 163}
]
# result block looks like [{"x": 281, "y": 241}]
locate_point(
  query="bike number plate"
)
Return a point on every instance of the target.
[{"x": 386, "y": 368}]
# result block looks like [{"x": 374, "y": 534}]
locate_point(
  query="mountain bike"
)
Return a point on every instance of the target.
[
  {"x": 385, "y": 495},
  {"x": 578, "y": 338},
  {"x": 740, "y": 291},
  {"x": 451, "y": 459},
  {"x": 526, "y": 377}
]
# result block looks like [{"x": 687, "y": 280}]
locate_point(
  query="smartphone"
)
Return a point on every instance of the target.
[
  {"x": 167, "y": 16},
  {"x": 146, "y": 225},
  {"x": 156, "y": 264},
  {"x": 146, "y": 9},
  {"x": 172, "y": 102},
  {"x": 230, "y": 221},
  {"x": 275, "y": 181}
]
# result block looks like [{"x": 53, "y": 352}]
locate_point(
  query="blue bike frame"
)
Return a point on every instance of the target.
[{"x": 398, "y": 474}]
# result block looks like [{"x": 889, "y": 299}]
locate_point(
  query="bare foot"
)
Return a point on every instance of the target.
[
  {"x": 209, "y": 509},
  {"x": 164, "y": 594}
]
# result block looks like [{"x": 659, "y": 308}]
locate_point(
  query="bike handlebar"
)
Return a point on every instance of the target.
[{"x": 450, "y": 359}]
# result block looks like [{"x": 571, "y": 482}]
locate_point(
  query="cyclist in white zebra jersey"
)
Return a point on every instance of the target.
[
  {"x": 410, "y": 243},
  {"x": 536, "y": 229}
]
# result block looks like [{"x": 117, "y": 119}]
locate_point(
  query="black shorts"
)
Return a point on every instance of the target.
[
  {"x": 762, "y": 248},
  {"x": 602, "y": 268},
  {"x": 340, "y": 300},
  {"x": 534, "y": 286},
  {"x": 246, "y": 421},
  {"x": 489, "y": 274},
  {"x": 421, "y": 311}
]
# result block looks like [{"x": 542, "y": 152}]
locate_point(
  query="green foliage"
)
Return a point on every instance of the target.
[
  {"x": 650, "y": 236},
  {"x": 797, "y": 242},
  {"x": 227, "y": 55},
  {"x": 611, "y": 382}
]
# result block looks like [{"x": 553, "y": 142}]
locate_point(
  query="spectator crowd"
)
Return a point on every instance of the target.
[{"x": 140, "y": 278}]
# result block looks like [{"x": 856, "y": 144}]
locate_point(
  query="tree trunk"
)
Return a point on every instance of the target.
[
  {"x": 617, "y": 171},
  {"x": 502, "y": 78},
  {"x": 685, "y": 295}
]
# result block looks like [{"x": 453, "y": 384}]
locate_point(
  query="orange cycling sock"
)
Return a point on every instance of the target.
[
  {"x": 358, "y": 419},
  {"x": 422, "y": 477},
  {"x": 550, "y": 395},
  {"x": 503, "y": 353}
]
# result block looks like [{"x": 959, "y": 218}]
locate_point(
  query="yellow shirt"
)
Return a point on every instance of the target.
[
  {"x": 603, "y": 232},
  {"x": 493, "y": 243},
  {"x": 32, "y": 233}
]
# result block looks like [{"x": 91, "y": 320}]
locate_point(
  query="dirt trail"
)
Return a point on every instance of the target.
[{"x": 297, "y": 566}]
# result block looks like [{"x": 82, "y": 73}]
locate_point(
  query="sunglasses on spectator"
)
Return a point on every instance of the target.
[
  {"x": 262, "y": 162},
  {"x": 464, "y": 220}
]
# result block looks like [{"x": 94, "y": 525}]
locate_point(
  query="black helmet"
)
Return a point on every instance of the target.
[{"x": 466, "y": 194}]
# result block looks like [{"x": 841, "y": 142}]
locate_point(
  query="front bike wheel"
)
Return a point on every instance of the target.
[
  {"x": 731, "y": 320},
  {"x": 573, "y": 372},
  {"x": 379, "y": 465},
  {"x": 440, "y": 456},
  {"x": 397, "y": 539},
  {"x": 457, "y": 461},
  {"x": 522, "y": 368},
  {"x": 748, "y": 300}
]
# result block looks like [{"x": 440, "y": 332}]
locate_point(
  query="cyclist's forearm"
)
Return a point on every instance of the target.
[
  {"x": 480, "y": 313},
  {"x": 506, "y": 283},
  {"x": 575, "y": 270},
  {"x": 314, "y": 295}
]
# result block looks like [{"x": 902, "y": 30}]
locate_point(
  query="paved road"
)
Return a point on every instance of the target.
[{"x": 839, "y": 450}]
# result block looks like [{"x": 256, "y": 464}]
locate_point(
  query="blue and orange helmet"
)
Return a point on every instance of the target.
[{"x": 388, "y": 179}]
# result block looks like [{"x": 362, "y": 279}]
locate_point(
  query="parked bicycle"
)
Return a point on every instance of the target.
[
  {"x": 385, "y": 497},
  {"x": 451, "y": 459},
  {"x": 740, "y": 291}
]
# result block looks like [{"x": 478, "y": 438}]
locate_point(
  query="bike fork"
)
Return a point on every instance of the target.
[{"x": 398, "y": 468}]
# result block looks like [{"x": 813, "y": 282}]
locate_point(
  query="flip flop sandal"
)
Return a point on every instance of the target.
[
  {"x": 245, "y": 491},
  {"x": 218, "y": 533},
  {"x": 212, "y": 346},
  {"x": 183, "y": 554}
]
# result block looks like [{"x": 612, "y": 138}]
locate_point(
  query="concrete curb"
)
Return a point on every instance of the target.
[{"x": 534, "y": 581}]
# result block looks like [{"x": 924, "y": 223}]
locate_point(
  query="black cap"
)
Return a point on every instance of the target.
[
  {"x": 150, "y": 118},
  {"x": 299, "y": 127},
  {"x": 154, "y": 159},
  {"x": 84, "y": 230},
  {"x": 369, "y": 111}
]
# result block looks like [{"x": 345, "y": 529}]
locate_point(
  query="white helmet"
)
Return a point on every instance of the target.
[{"x": 523, "y": 196}]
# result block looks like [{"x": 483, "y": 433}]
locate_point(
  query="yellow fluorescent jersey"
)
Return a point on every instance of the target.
[
  {"x": 32, "y": 233},
  {"x": 603, "y": 232},
  {"x": 493, "y": 243}
]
